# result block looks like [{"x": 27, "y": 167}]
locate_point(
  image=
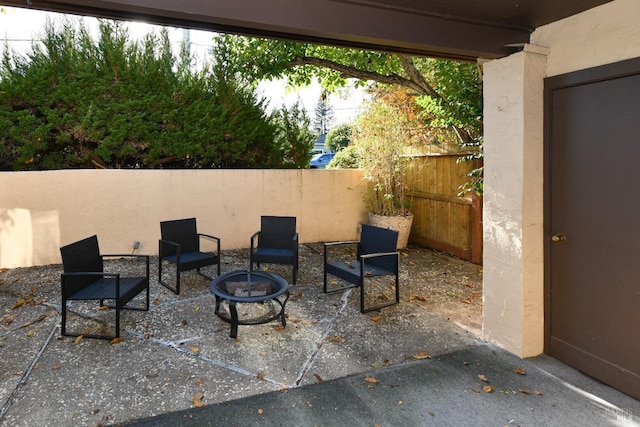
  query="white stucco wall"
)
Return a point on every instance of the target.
[
  {"x": 513, "y": 313},
  {"x": 602, "y": 35},
  {"x": 40, "y": 211}
]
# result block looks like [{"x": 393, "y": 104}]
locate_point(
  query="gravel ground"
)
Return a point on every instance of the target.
[{"x": 441, "y": 283}]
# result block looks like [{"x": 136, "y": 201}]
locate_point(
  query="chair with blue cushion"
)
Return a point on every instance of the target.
[
  {"x": 275, "y": 243},
  {"x": 84, "y": 278},
  {"x": 376, "y": 255},
  {"x": 180, "y": 245}
]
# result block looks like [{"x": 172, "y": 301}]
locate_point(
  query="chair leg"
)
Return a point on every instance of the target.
[
  {"x": 63, "y": 329},
  {"x": 117, "y": 319}
]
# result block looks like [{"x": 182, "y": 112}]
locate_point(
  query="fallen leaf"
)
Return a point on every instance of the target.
[
  {"x": 538, "y": 393},
  {"x": 260, "y": 375},
  {"x": 466, "y": 301},
  {"x": 194, "y": 349},
  {"x": 417, "y": 297},
  {"x": 79, "y": 339},
  {"x": 519, "y": 371},
  {"x": 475, "y": 390},
  {"x": 200, "y": 382},
  {"x": 422, "y": 355},
  {"x": 31, "y": 333},
  {"x": 197, "y": 308},
  {"x": 197, "y": 399},
  {"x": 318, "y": 377},
  {"x": 18, "y": 303},
  {"x": 156, "y": 301},
  {"x": 335, "y": 338},
  {"x": 278, "y": 327},
  {"x": 260, "y": 411},
  {"x": 116, "y": 341},
  {"x": 103, "y": 308},
  {"x": 483, "y": 378},
  {"x": 376, "y": 318},
  {"x": 372, "y": 380},
  {"x": 488, "y": 388},
  {"x": 525, "y": 391},
  {"x": 56, "y": 367}
]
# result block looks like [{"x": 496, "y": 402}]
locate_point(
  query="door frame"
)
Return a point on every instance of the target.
[{"x": 576, "y": 78}]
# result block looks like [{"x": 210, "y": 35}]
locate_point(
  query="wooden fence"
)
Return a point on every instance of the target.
[{"x": 442, "y": 219}]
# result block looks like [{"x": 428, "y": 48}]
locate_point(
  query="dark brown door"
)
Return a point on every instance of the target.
[{"x": 593, "y": 223}]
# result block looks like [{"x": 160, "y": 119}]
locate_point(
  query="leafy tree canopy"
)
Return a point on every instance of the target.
[
  {"x": 76, "y": 102},
  {"x": 450, "y": 91},
  {"x": 338, "y": 138}
]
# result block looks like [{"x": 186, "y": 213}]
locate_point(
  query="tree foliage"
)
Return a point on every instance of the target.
[
  {"x": 450, "y": 91},
  {"x": 338, "y": 138},
  {"x": 324, "y": 115},
  {"x": 76, "y": 102}
]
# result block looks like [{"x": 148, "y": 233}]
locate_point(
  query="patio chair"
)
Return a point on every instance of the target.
[
  {"x": 180, "y": 245},
  {"x": 275, "y": 243},
  {"x": 376, "y": 255},
  {"x": 84, "y": 278}
]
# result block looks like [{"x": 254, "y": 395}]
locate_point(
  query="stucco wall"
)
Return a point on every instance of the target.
[
  {"x": 40, "y": 211},
  {"x": 602, "y": 35},
  {"x": 513, "y": 199}
]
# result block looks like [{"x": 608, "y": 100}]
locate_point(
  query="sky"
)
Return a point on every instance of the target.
[{"x": 20, "y": 26}]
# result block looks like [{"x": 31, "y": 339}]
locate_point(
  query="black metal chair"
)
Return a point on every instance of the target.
[
  {"x": 180, "y": 245},
  {"x": 376, "y": 256},
  {"x": 275, "y": 243},
  {"x": 84, "y": 278}
]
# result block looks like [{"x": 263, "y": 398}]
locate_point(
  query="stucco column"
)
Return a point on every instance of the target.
[{"x": 513, "y": 313}]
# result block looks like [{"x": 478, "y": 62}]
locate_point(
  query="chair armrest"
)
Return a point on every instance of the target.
[
  {"x": 328, "y": 245},
  {"x": 137, "y": 256},
  {"x": 345, "y": 242},
  {"x": 379, "y": 254},
  {"x": 208, "y": 236},
  {"x": 253, "y": 237},
  {"x": 163, "y": 242},
  {"x": 395, "y": 254}
]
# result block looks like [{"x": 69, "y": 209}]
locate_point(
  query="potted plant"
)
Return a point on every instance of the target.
[{"x": 381, "y": 142}]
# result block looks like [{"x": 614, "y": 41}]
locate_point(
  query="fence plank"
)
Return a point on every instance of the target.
[{"x": 442, "y": 219}]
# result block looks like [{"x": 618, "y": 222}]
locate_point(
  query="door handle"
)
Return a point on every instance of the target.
[{"x": 558, "y": 237}]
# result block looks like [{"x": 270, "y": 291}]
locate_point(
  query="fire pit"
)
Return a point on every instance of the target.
[{"x": 244, "y": 286}]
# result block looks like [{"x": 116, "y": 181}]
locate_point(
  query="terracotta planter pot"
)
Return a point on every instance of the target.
[{"x": 401, "y": 223}]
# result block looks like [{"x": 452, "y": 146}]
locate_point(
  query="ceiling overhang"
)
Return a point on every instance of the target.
[{"x": 456, "y": 29}]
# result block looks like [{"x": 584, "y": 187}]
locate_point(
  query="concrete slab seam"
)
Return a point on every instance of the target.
[
  {"x": 331, "y": 322},
  {"x": 25, "y": 374}
]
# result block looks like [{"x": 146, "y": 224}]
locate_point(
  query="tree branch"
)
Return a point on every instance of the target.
[{"x": 347, "y": 71}]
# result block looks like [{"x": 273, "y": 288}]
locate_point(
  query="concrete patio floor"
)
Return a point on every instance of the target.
[
  {"x": 178, "y": 356},
  {"x": 179, "y": 350}
]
